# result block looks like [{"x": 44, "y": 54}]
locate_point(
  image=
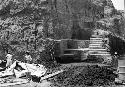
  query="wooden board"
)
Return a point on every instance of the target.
[
  {"x": 14, "y": 83},
  {"x": 21, "y": 81},
  {"x": 51, "y": 75}
]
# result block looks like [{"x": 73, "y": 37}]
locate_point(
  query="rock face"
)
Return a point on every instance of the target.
[
  {"x": 28, "y": 22},
  {"x": 64, "y": 13},
  {"x": 83, "y": 14},
  {"x": 113, "y": 20}
]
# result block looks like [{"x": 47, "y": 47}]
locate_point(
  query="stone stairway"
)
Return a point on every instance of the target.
[{"x": 97, "y": 46}]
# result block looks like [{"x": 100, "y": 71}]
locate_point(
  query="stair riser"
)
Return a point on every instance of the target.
[
  {"x": 105, "y": 52},
  {"x": 97, "y": 50},
  {"x": 94, "y": 36},
  {"x": 92, "y": 51},
  {"x": 95, "y": 45},
  {"x": 98, "y": 53},
  {"x": 95, "y": 40},
  {"x": 101, "y": 54}
]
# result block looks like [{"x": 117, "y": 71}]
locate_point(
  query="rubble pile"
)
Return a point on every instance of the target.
[
  {"x": 20, "y": 72},
  {"x": 19, "y": 69}
]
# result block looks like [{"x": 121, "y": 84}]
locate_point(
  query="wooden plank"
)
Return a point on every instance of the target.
[
  {"x": 51, "y": 75},
  {"x": 11, "y": 84},
  {"x": 24, "y": 82}
]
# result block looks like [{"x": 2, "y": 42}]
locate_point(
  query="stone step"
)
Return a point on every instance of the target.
[
  {"x": 95, "y": 46},
  {"x": 97, "y": 50},
  {"x": 96, "y": 42},
  {"x": 101, "y": 54},
  {"x": 104, "y": 52},
  {"x": 96, "y": 36},
  {"x": 96, "y": 39}
]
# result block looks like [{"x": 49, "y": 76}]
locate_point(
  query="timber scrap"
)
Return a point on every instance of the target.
[
  {"x": 20, "y": 81},
  {"x": 12, "y": 79}
]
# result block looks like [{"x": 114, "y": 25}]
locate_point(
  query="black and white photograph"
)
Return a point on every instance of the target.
[{"x": 62, "y": 43}]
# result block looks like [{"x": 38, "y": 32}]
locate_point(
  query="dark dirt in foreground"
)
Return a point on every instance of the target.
[{"x": 82, "y": 76}]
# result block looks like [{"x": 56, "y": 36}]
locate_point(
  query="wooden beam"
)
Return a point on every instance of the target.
[
  {"x": 50, "y": 75},
  {"x": 11, "y": 84}
]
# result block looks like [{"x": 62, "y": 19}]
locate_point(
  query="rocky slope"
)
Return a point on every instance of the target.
[{"x": 25, "y": 24}]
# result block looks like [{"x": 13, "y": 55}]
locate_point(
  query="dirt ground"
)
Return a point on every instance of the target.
[{"x": 72, "y": 77}]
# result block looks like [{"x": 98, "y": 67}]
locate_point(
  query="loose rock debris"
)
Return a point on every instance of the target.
[
  {"x": 20, "y": 73},
  {"x": 20, "y": 69}
]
